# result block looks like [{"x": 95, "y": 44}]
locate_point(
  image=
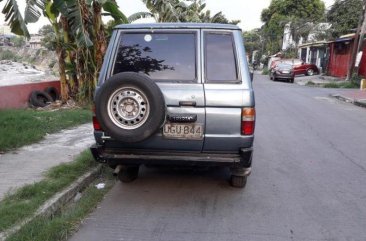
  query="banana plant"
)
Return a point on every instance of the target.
[
  {"x": 14, "y": 18},
  {"x": 164, "y": 10},
  {"x": 80, "y": 38}
]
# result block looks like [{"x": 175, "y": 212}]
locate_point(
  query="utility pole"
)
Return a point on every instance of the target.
[
  {"x": 358, "y": 41},
  {"x": 361, "y": 39}
]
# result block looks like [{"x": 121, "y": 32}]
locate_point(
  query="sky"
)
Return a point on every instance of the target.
[{"x": 247, "y": 11}]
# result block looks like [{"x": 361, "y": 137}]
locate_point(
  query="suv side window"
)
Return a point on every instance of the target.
[
  {"x": 220, "y": 58},
  {"x": 162, "y": 56}
]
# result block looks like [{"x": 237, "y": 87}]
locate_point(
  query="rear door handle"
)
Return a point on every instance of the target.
[{"x": 187, "y": 103}]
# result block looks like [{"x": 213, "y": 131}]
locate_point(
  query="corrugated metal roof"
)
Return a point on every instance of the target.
[
  {"x": 343, "y": 40},
  {"x": 178, "y": 26},
  {"x": 314, "y": 44}
]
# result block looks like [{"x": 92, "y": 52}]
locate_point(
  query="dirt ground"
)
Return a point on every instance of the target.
[{"x": 14, "y": 73}]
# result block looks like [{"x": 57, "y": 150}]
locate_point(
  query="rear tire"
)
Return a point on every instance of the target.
[
  {"x": 128, "y": 174},
  {"x": 310, "y": 72},
  {"x": 238, "y": 181},
  {"x": 292, "y": 81}
]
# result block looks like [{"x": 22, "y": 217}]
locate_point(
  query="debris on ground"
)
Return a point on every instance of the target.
[
  {"x": 57, "y": 105},
  {"x": 100, "y": 185}
]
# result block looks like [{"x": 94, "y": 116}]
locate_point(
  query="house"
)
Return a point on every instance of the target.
[
  {"x": 287, "y": 40},
  {"x": 316, "y": 33},
  {"x": 315, "y": 53},
  {"x": 5, "y": 30},
  {"x": 35, "y": 41},
  {"x": 340, "y": 56}
]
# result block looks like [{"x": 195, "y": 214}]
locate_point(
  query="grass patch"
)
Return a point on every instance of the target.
[
  {"x": 265, "y": 71},
  {"x": 345, "y": 84},
  {"x": 64, "y": 224},
  {"x": 310, "y": 83},
  {"x": 26, "y": 200},
  {"x": 331, "y": 85},
  {"x": 23, "y": 127}
]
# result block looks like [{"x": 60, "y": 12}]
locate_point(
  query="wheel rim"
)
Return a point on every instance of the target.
[
  {"x": 128, "y": 108},
  {"x": 310, "y": 72}
]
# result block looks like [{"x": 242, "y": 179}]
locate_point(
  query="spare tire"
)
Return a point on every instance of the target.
[
  {"x": 40, "y": 98},
  {"x": 53, "y": 92},
  {"x": 130, "y": 107}
]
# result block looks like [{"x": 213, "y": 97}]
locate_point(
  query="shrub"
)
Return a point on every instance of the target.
[
  {"x": 355, "y": 80},
  {"x": 52, "y": 64},
  {"x": 7, "y": 55},
  {"x": 265, "y": 71}
]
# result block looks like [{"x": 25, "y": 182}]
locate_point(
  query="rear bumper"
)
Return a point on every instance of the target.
[
  {"x": 284, "y": 76},
  {"x": 117, "y": 157}
]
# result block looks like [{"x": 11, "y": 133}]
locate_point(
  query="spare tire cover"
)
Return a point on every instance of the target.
[{"x": 130, "y": 107}]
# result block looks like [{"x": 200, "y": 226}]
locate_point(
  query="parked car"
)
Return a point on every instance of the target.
[
  {"x": 175, "y": 94},
  {"x": 301, "y": 67},
  {"x": 284, "y": 71}
]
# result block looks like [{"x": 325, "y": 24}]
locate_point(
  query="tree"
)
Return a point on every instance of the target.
[
  {"x": 253, "y": 42},
  {"x": 180, "y": 11},
  {"x": 300, "y": 15},
  {"x": 14, "y": 18},
  {"x": 80, "y": 40},
  {"x": 18, "y": 41},
  {"x": 165, "y": 10},
  {"x": 344, "y": 16},
  {"x": 49, "y": 38}
]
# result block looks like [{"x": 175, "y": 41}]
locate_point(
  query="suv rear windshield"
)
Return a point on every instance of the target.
[{"x": 162, "y": 56}]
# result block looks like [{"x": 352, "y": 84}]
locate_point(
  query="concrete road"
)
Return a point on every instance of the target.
[{"x": 308, "y": 182}]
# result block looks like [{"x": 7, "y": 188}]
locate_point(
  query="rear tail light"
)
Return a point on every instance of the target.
[
  {"x": 96, "y": 123},
  {"x": 247, "y": 121}
]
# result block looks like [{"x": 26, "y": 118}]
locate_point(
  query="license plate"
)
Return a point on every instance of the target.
[
  {"x": 183, "y": 131},
  {"x": 285, "y": 72}
]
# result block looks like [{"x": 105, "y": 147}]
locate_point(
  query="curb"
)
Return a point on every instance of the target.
[
  {"x": 360, "y": 103},
  {"x": 50, "y": 207},
  {"x": 342, "y": 98}
]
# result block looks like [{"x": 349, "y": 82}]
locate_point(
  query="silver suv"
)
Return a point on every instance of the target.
[{"x": 175, "y": 94}]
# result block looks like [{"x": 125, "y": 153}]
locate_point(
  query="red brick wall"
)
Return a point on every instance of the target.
[{"x": 17, "y": 96}]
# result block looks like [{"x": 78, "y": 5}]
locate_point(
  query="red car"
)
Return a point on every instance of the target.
[{"x": 300, "y": 67}]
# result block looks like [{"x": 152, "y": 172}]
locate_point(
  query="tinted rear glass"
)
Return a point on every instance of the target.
[
  {"x": 284, "y": 66},
  {"x": 162, "y": 56},
  {"x": 220, "y": 58}
]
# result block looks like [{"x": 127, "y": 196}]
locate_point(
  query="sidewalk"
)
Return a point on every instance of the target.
[
  {"x": 316, "y": 79},
  {"x": 357, "y": 97},
  {"x": 27, "y": 164}
]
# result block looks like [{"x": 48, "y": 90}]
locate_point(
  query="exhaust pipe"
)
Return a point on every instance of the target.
[{"x": 117, "y": 170}]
